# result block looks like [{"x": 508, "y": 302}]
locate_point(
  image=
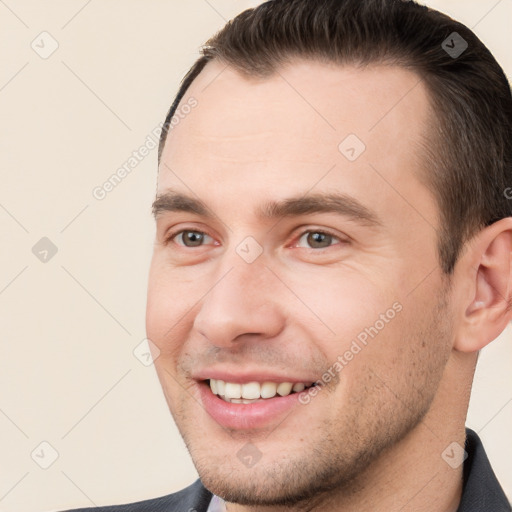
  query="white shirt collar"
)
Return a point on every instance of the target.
[{"x": 217, "y": 505}]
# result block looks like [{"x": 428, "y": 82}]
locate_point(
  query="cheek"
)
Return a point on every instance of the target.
[
  {"x": 167, "y": 311},
  {"x": 169, "y": 387},
  {"x": 377, "y": 377},
  {"x": 351, "y": 306},
  {"x": 404, "y": 359}
]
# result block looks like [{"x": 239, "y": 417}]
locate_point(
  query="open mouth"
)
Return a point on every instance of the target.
[{"x": 251, "y": 392}]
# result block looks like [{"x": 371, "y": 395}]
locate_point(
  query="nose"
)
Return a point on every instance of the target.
[{"x": 241, "y": 305}]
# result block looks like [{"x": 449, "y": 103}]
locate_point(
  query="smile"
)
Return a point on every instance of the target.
[
  {"x": 250, "y": 392},
  {"x": 252, "y": 404}
]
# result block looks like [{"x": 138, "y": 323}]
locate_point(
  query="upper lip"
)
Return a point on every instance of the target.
[{"x": 236, "y": 375}]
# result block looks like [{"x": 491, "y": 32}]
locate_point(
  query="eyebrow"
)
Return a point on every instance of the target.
[
  {"x": 341, "y": 204},
  {"x": 178, "y": 202}
]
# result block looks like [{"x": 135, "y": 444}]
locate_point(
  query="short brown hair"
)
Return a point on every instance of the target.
[{"x": 468, "y": 152}]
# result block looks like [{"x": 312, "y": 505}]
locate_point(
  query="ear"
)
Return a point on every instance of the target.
[{"x": 485, "y": 272}]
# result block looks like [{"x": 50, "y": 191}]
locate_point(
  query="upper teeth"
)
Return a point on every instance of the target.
[{"x": 249, "y": 391}]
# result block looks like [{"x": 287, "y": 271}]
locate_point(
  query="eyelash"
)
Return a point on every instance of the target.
[
  {"x": 173, "y": 235},
  {"x": 322, "y": 232}
]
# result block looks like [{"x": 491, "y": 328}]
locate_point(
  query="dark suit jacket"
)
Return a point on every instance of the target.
[{"x": 481, "y": 492}]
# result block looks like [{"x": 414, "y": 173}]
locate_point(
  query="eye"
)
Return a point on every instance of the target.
[
  {"x": 317, "y": 239},
  {"x": 189, "y": 238}
]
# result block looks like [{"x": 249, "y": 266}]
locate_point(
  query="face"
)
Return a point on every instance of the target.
[{"x": 296, "y": 256}]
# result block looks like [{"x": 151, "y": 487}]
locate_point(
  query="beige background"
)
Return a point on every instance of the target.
[{"x": 69, "y": 326}]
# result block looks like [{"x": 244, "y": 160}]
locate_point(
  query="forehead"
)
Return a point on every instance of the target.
[{"x": 300, "y": 128}]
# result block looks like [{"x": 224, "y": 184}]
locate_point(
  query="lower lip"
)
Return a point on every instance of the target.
[{"x": 245, "y": 416}]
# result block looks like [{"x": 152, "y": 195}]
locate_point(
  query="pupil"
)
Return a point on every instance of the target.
[
  {"x": 316, "y": 239},
  {"x": 193, "y": 238}
]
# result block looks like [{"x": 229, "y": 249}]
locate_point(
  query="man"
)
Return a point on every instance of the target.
[{"x": 332, "y": 251}]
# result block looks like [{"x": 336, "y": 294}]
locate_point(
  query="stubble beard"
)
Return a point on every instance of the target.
[{"x": 332, "y": 460}]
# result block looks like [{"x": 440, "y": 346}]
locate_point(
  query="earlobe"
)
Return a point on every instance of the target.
[{"x": 487, "y": 270}]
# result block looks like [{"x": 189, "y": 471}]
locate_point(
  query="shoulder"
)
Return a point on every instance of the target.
[
  {"x": 194, "y": 498},
  {"x": 482, "y": 490}
]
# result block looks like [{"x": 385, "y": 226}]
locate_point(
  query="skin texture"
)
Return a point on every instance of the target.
[{"x": 373, "y": 436}]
